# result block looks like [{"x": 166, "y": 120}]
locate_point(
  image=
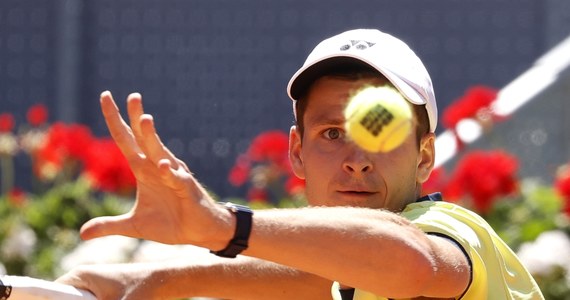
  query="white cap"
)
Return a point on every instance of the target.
[{"x": 385, "y": 53}]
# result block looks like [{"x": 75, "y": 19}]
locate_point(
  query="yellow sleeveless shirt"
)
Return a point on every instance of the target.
[{"x": 497, "y": 273}]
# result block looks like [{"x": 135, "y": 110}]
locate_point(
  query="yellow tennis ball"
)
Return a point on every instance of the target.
[{"x": 378, "y": 119}]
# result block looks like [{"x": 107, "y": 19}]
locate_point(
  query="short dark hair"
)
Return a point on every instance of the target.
[{"x": 355, "y": 72}]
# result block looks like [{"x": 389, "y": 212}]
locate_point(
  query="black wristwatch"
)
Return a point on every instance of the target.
[
  {"x": 243, "y": 228},
  {"x": 5, "y": 290}
]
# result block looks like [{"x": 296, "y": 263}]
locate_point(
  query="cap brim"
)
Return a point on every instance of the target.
[{"x": 304, "y": 78}]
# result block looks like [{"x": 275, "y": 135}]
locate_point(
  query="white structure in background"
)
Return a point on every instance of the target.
[{"x": 547, "y": 85}]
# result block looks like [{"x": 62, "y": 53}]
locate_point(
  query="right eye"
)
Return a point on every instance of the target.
[{"x": 332, "y": 133}]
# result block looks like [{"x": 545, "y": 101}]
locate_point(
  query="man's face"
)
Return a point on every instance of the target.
[{"x": 339, "y": 173}]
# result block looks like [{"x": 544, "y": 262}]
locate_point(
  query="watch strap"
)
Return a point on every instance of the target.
[
  {"x": 239, "y": 242},
  {"x": 5, "y": 290}
]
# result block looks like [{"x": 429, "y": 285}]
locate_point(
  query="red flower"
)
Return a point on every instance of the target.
[
  {"x": 6, "y": 122},
  {"x": 271, "y": 146},
  {"x": 37, "y": 115},
  {"x": 240, "y": 171},
  {"x": 484, "y": 176},
  {"x": 295, "y": 185},
  {"x": 257, "y": 195},
  {"x": 562, "y": 185},
  {"x": 107, "y": 167},
  {"x": 101, "y": 159},
  {"x": 266, "y": 166},
  {"x": 78, "y": 141},
  {"x": 474, "y": 99},
  {"x": 436, "y": 182},
  {"x": 62, "y": 143},
  {"x": 17, "y": 197}
]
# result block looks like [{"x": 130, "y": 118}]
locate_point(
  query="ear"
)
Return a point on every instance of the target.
[
  {"x": 426, "y": 157},
  {"x": 295, "y": 156}
]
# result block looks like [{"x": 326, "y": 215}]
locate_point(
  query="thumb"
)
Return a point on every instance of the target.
[{"x": 108, "y": 225}]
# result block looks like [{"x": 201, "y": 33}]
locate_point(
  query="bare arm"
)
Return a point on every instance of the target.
[
  {"x": 250, "y": 278},
  {"x": 374, "y": 250},
  {"x": 370, "y": 249},
  {"x": 240, "y": 278}
]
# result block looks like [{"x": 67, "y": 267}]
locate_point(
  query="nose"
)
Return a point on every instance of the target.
[{"x": 357, "y": 161}]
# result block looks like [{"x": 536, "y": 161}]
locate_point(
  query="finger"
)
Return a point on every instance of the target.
[
  {"x": 154, "y": 148},
  {"x": 168, "y": 173},
  {"x": 108, "y": 225},
  {"x": 183, "y": 165},
  {"x": 120, "y": 131},
  {"x": 135, "y": 111}
]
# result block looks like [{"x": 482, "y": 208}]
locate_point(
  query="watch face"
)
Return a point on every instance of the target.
[{"x": 236, "y": 207}]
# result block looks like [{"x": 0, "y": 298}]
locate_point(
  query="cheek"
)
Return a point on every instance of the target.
[
  {"x": 319, "y": 157},
  {"x": 401, "y": 180},
  {"x": 318, "y": 173}
]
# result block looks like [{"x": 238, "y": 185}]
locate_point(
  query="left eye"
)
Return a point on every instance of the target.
[{"x": 332, "y": 134}]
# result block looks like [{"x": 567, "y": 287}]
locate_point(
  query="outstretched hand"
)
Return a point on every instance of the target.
[{"x": 171, "y": 206}]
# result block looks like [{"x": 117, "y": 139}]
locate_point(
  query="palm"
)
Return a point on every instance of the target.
[
  {"x": 150, "y": 190},
  {"x": 166, "y": 190}
]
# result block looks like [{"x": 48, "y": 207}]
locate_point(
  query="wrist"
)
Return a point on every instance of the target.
[
  {"x": 243, "y": 219},
  {"x": 220, "y": 231}
]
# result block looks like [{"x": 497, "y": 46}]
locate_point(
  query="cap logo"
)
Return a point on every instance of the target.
[{"x": 358, "y": 44}]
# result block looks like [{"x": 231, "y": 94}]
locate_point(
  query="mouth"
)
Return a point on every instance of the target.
[
  {"x": 357, "y": 193},
  {"x": 356, "y": 198}
]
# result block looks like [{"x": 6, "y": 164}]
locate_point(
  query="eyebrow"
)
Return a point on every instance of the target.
[{"x": 326, "y": 120}]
